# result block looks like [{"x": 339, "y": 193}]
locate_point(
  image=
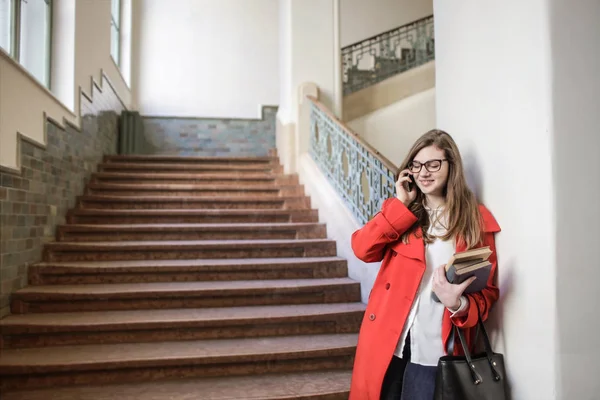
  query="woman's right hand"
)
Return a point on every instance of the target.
[{"x": 402, "y": 193}]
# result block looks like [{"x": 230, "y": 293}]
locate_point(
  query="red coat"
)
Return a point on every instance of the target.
[{"x": 395, "y": 288}]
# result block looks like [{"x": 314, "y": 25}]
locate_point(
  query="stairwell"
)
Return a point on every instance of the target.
[{"x": 185, "y": 278}]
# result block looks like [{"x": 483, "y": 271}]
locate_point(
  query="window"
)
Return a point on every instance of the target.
[
  {"x": 115, "y": 31},
  {"x": 6, "y": 19},
  {"x": 25, "y": 27}
]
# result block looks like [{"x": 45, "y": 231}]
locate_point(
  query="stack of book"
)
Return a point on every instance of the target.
[{"x": 466, "y": 264}]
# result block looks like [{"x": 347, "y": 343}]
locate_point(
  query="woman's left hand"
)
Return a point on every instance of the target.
[{"x": 448, "y": 293}]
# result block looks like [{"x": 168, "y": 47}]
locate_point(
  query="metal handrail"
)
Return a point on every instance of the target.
[{"x": 386, "y": 54}]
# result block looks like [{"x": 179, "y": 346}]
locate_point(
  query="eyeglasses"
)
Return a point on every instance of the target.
[{"x": 431, "y": 165}]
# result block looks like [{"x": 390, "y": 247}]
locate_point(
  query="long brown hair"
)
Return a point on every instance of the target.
[{"x": 462, "y": 211}]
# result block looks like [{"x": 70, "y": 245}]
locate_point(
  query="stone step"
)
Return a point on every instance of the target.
[
  {"x": 136, "y": 232},
  {"x": 194, "y": 178},
  {"x": 147, "y": 271},
  {"x": 62, "y": 329},
  {"x": 220, "y": 190},
  {"x": 187, "y": 249},
  {"x": 99, "y": 216},
  {"x": 165, "y": 295},
  {"x": 204, "y": 160},
  {"x": 186, "y": 167},
  {"x": 193, "y": 202},
  {"x": 317, "y": 385},
  {"x": 130, "y": 362}
]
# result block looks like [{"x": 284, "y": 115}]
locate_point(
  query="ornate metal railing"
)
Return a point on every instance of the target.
[
  {"x": 381, "y": 56},
  {"x": 360, "y": 175}
]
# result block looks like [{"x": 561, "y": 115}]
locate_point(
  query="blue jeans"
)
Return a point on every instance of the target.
[
  {"x": 407, "y": 381},
  {"x": 419, "y": 382}
]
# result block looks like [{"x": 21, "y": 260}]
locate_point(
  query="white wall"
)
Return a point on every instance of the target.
[
  {"x": 493, "y": 94},
  {"x": 576, "y": 94},
  {"x": 393, "y": 129},
  {"x": 339, "y": 220},
  {"x": 206, "y": 58},
  {"x": 362, "y": 19}
]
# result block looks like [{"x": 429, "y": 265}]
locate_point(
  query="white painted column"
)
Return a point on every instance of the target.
[
  {"x": 493, "y": 95},
  {"x": 309, "y": 35},
  {"x": 574, "y": 33},
  {"x": 517, "y": 86},
  {"x": 338, "y": 90}
]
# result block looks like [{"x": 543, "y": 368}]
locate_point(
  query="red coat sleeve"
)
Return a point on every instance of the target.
[
  {"x": 368, "y": 243},
  {"x": 489, "y": 295}
]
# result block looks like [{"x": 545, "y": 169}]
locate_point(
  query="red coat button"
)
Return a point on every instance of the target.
[
  {"x": 372, "y": 317},
  {"x": 387, "y": 286}
]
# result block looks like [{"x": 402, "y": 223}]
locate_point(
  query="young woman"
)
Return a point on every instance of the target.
[{"x": 404, "y": 331}]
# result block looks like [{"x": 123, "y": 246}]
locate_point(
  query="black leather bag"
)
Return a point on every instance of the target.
[{"x": 478, "y": 377}]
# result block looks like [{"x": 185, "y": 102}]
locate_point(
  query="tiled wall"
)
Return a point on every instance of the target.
[
  {"x": 212, "y": 137},
  {"x": 34, "y": 202}
]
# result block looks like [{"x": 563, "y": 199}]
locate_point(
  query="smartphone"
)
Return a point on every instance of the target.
[{"x": 411, "y": 184}]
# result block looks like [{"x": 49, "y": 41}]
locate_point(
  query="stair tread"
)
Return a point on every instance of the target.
[
  {"x": 179, "y": 199},
  {"x": 242, "y": 173},
  {"x": 137, "y": 319},
  {"x": 175, "y": 211},
  {"x": 184, "y": 175},
  {"x": 209, "y": 159},
  {"x": 253, "y": 226},
  {"x": 187, "y": 243},
  {"x": 188, "y": 263},
  {"x": 191, "y": 186},
  {"x": 286, "y": 386},
  {"x": 103, "y": 356},
  {"x": 161, "y": 165},
  {"x": 154, "y": 289}
]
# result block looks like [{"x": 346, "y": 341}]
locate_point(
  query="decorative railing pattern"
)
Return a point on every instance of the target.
[
  {"x": 382, "y": 56},
  {"x": 359, "y": 174}
]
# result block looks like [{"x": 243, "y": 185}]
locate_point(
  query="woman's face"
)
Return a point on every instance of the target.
[{"x": 430, "y": 170}]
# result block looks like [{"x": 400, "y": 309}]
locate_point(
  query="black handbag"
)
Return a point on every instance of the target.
[{"x": 479, "y": 377}]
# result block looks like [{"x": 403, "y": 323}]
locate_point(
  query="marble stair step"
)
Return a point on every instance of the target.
[
  {"x": 313, "y": 385},
  {"x": 226, "y": 177},
  {"x": 187, "y": 249},
  {"x": 76, "y": 328},
  {"x": 274, "y": 202},
  {"x": 207, "y": 189},
  {"x": 240, "y": 231},
  {"x": 175, "y": 216},
  {"x": 166, "y": 295},
  {"x": 186, "y": 167},
  {"x": 148, "y": 271},
  {"x": 204, "y": 160},
  {"x": 130, "y": 362}
]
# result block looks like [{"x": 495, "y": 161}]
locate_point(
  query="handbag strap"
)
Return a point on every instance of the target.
[
  {"x": 474, "y": 374},
  {"x": 488, "y": 346},
  {"x": 488, "y": 349}
]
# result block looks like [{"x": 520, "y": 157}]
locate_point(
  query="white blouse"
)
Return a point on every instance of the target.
[{"x": 425, "y": 318}]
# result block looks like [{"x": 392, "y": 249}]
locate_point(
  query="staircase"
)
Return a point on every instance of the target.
[{"x": 185, "y": 278}]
